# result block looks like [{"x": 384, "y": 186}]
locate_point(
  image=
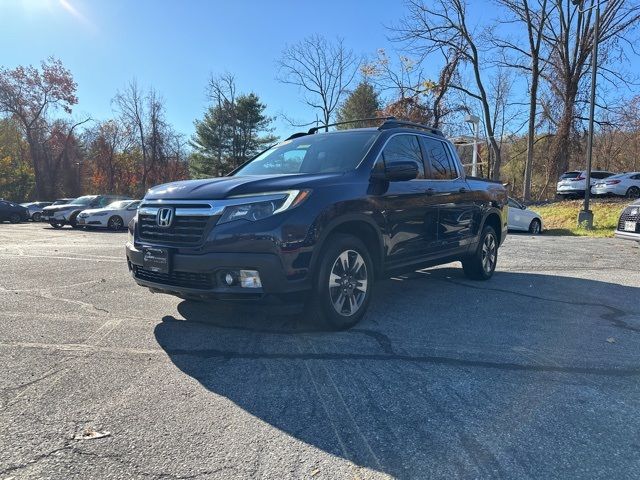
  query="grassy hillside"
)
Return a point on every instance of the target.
[{"x": 561, "y": 218}]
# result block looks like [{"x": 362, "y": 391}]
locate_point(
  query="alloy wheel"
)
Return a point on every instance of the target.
[
  {"x": 348, "y": 283},
  {"x": 489, "y": 253}
]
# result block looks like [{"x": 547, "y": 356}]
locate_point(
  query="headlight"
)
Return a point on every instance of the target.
[
  {"x": 100, "y": 214},
  {"x": 256, "y": 209}
]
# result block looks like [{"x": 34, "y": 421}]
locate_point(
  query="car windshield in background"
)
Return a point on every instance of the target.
[
  {"x": 119, "y": 204},
  {"x": 319, "y": 153},
  {"x": 570, "y": 175},
  {"x": 83, "y": 200}
]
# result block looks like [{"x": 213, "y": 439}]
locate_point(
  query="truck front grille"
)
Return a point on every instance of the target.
[
  {"x": 185, "y": 230},
  {"x": 200, "y": 281}
]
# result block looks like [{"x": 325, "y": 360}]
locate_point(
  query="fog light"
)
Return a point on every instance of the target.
[
  {"x": 228, "y": 278},
  {"x": 250, "y": 279}
]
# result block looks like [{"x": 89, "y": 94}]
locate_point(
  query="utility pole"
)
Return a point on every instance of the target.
[{"x": 585, "y": 216}]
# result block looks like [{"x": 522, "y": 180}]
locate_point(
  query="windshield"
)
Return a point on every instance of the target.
[
  {"x": 86, "y": 200},
  {"x": 119, "y": 204},
  {"x": 318, "y": 153}
]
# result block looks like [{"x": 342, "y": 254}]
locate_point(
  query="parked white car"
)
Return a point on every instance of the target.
[
  {"x": 623, "y": 184},
  {"x": 573, "y": 184},
  {"x": 522, "y": 219},
  {"x": 114, "y": 216}
]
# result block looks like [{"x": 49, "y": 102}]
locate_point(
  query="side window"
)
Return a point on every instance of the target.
[
  {"x": 512, "y": 204},
  {"x": 402, "y": 148},
  {"x": 442, "y": 166},
  {"x": 636, "y": 177}
]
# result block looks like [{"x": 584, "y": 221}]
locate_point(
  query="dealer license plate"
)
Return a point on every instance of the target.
[{"x": 156, "y": 260}]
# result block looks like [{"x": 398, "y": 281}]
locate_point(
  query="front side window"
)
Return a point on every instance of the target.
[
  {"x": 334, "y": 152},
  {"x": 84, "y": 201},
  {"x": 442, "y": 167},
  {"x": 401, "y": 148}
]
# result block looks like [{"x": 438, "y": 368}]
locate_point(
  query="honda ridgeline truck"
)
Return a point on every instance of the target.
[{"x": 320, "y": 216}]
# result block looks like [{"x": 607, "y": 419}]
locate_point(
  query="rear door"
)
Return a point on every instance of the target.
[
  {"x": 457, "y": 209},
  {"x": 410, "y": 211}
]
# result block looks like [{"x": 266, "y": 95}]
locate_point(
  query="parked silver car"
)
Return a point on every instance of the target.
[
  {"x": 623, "y": 185},
  {"x": 35, "y": 209},
  {"x": 574, "y": 184},
  {"x": 522, "y": 219}
]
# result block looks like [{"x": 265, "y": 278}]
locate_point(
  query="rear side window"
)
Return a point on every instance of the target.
[
  {"x": 401, "y": 148},
  {"x": 442, "y": 166}
]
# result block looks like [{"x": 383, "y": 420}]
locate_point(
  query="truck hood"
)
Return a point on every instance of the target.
[{"x": 223, "y": 187}]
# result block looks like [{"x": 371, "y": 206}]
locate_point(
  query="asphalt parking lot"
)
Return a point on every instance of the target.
[{"x": 534, "y": 374}]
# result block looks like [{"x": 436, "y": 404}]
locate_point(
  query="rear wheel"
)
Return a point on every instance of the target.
[
  {"x": 36, "y": 217},
  {"x": 115, "y": 223},
  {"x": 633, "y": 192},
  {"x": 482, "y": 264},
  {"x": 342, "y": 287},
  {"x": 14, "y": 218},
  {"x": 535, "y": 227},
  {"x": 56, "y": 225}
]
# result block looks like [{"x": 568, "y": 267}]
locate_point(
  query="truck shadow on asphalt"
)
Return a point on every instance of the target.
[{"x": 444, "y": 377}]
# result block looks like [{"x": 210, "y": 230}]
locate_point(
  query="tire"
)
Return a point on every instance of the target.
[
  {"x": 36, "y": 217},
  {"x": 633, "y": 192},
  {"x": 73, "y": 221},
  {"x": 535, "y": 227},
  {"x": 14, "y": 218},
  {"x": 341, "y": 297},
  {"x": 482, "y": 264},
  {"x": 56, "y": 225},
  {"x": 115, "y": 223}
]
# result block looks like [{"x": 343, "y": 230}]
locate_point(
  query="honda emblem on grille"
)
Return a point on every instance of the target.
[{"x": 164, "y": 218}]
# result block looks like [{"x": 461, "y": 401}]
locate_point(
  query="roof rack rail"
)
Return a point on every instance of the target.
[
  {"x": 395, "y": 123},
  {"x": 313, "y": 130}
]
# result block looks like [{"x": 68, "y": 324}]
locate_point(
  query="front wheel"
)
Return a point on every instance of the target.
[
  {"x": 481, "y": 264},
  {"x": 56, "y": 225},
  {"x": 14, "y": 218},
  {"x": 115, "y": 223},
  {"x": 342, "y": 288},
  {"x": 535, "y": 227},
  {"x": 36, "y": 217}
]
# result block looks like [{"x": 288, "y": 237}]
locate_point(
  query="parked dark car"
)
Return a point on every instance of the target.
[
  {"x": 66, "y": 214},
  {"x": 323, "y": 214},
  {"x": 35, "y": 209},
  {"x": 629, "y": 222},
  {"x": 12, "y": 212}
]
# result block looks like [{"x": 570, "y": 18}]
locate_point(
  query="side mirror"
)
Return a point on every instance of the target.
[
  {"x": 524, "y": 207},
  {"x": 398, "y": 172}
]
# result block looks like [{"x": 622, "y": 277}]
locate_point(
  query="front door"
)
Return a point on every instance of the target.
[{"x": 410, "y": 211}]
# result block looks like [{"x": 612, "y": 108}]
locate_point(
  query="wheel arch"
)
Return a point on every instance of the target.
[
  {"x": 493, "y": 218},
  {"x": 361, "y": 227}
]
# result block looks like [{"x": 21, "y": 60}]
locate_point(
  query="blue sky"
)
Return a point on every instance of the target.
[{"x": 175, "y": 45}]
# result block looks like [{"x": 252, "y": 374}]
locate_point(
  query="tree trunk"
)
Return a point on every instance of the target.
[{"x": 533, "y": 100}]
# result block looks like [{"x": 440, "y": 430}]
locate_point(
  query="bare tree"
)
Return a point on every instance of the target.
[
  {"x": 130, "y": 104},
  {"x": 323, "y": 70},
  {"x": 570, "y": 37},
  {"x": 442, "y": 25},
  {"x": 529, "y": 58}
]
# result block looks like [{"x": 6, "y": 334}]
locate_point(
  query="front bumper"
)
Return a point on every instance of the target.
[
  {"x": 204, "y": 267},
  {"x": 627, "y": 235},
  {"x": 92, "y": 221}
]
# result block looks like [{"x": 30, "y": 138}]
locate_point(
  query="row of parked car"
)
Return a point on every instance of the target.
[
  {"x": 94, "y": 211},
  {"x": 605, "y": 184}
]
